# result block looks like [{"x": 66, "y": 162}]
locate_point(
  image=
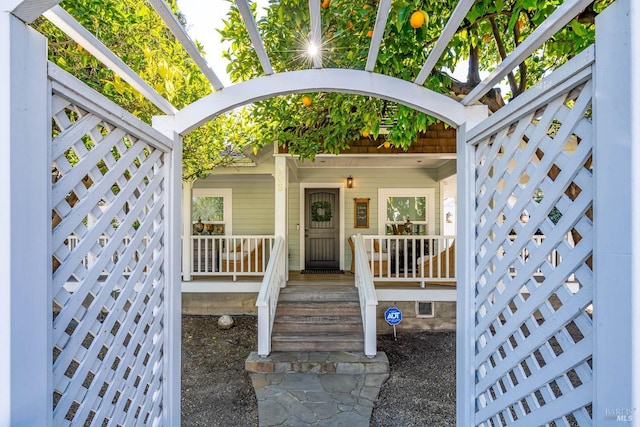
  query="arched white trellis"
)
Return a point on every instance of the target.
[
  {"x": 326, "y": 80},
  {"x": 26, "y": 377}
]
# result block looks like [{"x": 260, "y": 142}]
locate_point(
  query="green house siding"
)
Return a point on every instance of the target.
[
  {"x": 253, "y": 198},
  {"x": 253, "y": 201},
  {"x": 366, "y": 183}
]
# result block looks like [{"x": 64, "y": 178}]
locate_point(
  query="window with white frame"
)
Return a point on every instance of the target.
[
  {"x": 211, "y": 211},
  {"x": 397, "y": 205}
]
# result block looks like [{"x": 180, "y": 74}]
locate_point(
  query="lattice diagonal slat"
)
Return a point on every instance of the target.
[
  {"x": 108, "y": 286},
  {"x": 534, "y": 241}
]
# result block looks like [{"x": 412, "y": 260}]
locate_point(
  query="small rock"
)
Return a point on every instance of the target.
[{"x": 225, "y": 322}]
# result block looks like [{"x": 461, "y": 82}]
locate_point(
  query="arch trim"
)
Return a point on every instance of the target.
[{"x": 357, "y": 82}]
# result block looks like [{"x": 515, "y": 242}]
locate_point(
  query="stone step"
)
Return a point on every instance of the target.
[
  {"x": 324, "y": 362},
  {"x": 317, "y": 342}
]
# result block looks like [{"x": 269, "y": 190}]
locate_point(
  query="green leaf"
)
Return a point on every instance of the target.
[{"x": 578, "y": 28}]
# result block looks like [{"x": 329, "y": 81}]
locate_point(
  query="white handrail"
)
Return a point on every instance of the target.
[
  {"x": 267, "y": 301},
  {"x": 367, "y": 294}
]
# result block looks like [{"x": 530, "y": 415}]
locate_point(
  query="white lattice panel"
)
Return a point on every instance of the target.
[
  {"x": 108, "y": 211},
  {"x": 533, "y": 275}
]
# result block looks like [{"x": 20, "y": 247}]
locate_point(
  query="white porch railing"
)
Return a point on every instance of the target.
[
  {"x": 431, "y": 259},
  {"x": 422, "y": 259},
  {"x": 230, "y": 255},
  {"x": 367, "y": 294},
  {"x": 267, "y": 302}
]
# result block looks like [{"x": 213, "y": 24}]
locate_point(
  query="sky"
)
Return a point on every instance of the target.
[{"x": 203, "y": 17}]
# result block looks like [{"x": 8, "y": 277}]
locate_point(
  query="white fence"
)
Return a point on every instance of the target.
[
  {"x": 111, "y": 339},
  {"x": 526, "y": 334}
]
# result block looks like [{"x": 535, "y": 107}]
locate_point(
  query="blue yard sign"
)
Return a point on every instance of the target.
[{"x": 393, "y": 316}]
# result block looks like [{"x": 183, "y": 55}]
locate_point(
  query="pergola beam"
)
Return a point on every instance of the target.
[
  {"x": 187, "y": 43},
  {"x": 29, "y": 10},
  {"x": 558, "y": 19},
  {"x": 67, "y": 24},
  {"x": 447, "y": 34},
  {"x": 252, "y": 28},
  {"x": 378, "y": 31},
  {"x": 316, "y": 31}
]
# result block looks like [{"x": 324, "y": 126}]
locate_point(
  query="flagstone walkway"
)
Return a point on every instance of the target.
[{"x": 316, "y": 388}]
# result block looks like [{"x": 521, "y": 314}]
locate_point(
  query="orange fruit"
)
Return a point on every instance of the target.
[
  {"x": 325, "y": 4},
  {"x": 417, "y": 19},
  {"x": 486, "y": 38},
  {"x": 306, "y": 101},
  {"x": 386, "y": 144},
  {"x": 350, "y": 25},
  {"x": 365, "y": 133},
  {"x": 370, "y": 33}
]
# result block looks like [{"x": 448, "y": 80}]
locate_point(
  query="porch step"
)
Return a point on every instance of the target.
[
  {"x": 317, "y": 308},
  {"x": 318, "y": 324},
  {"x": 318, "y": 318},
  {"x": 317, "y": 342}
]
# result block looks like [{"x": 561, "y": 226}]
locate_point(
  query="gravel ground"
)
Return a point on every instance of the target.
[{"x": 216, "y": 391}]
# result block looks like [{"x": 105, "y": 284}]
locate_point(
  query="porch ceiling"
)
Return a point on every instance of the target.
[{"x": 378, "y": 161}]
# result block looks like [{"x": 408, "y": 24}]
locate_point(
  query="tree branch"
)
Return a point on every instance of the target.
[
  {"x": 493, "y": 98},
  {"x": 522, "y": 86},
  {"x": 502, "y": 52}
]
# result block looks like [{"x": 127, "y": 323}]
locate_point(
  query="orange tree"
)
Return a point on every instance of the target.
[
  {"x": 132, "y": 29},
  {"x": 332, "y": 121}
]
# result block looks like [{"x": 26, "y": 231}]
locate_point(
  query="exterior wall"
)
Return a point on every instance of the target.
[
  {"x": 443, "y": 320},
  {"x": 366, "y": 184},
  {"x": 253, "y": 198},
  {"x": 214, "y": 303},
  {"x": 253, "y": 201}
]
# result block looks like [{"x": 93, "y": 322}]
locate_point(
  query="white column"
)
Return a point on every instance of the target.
[
  {"x": 187, "y": 227},
  {"x": 173, "y": 284},
  {"x": 281, "y": 191},
  {"x": 616, "y": 360},
  {"x": 25, "y": 227},
  {"x": 465, "y": 308}
]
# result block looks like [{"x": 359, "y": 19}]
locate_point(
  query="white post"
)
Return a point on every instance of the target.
[
  {"x": 616, "y": 360},
  {"x": 25, "y": 227},
  {"x": 465, "y": 313},
  {"x": 187, "y": 249},
  {"x": 280, "y": 229},
  {"x": 172, "y": 293}
]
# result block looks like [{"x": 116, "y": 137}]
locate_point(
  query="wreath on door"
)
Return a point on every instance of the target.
[{"x": 321, "y": 211}]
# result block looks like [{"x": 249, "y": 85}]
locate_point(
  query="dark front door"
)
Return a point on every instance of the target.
[{"x": 322, "y": 228}]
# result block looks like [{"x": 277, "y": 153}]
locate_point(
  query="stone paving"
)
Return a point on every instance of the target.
[{"x": 316, "y": 388}]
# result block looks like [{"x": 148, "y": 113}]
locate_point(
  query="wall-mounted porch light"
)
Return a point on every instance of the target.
[{"x": 349, "y": 181}]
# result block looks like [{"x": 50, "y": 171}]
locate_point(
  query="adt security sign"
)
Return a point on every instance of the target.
[{"x": 393, "y": 316}]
